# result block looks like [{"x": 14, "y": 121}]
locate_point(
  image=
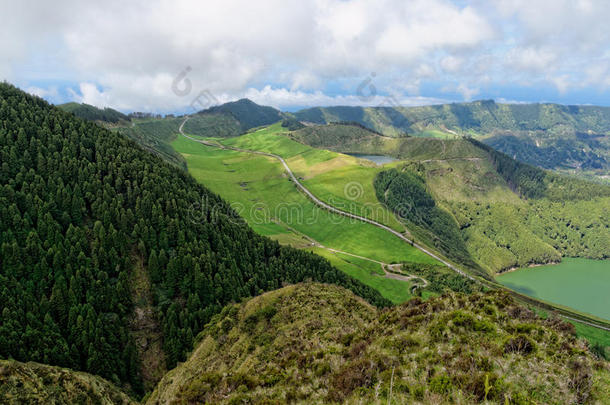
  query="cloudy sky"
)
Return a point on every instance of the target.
[{"x": 173, "y": 56}]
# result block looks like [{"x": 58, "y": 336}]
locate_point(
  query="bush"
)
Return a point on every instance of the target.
[
  {"x": 441, "y": 384},
  {"x": 520, "y": 344}
]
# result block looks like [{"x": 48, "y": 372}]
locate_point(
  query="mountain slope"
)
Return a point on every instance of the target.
[
  {"x": 548, "y": 135},
  {"x": 79, "y": 208},
  {"x": 509, "y": 214},
  {"x": 35, "y": 383},
  {"x": 247, "y": 113},
  {"x": 313, "y": 343}
]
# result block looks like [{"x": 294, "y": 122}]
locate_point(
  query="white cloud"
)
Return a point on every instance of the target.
[
  {"x": 127, "y": 54},
  {"x": 51, "y": 92},
  {"x": 287, "y": 98}
]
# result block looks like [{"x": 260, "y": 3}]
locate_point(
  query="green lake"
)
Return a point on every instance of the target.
[{"x": 581, "y": 284}]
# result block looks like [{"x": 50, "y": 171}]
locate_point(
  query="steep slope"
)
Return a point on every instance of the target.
[
  {"x": 313, "y": 343},
  {"x": 79, "y": 207},
  {"x": 34, "y": 383},
  {"x": 509, "y": 214},
  {"x": 214, "y": 125},
  {"x": 247, "y": 113},
  {"x": 91, "y": 113},
  {"x": 155, "y": 135},
  {"x": 548, "y": 135}
]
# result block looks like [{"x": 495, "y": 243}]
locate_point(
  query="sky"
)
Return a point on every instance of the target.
[{"x": 179, "y": 56}]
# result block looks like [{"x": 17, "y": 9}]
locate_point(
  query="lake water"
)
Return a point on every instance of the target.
[
  {"x": 582, "y": 284},
  {"x": 379, "y": 159}
]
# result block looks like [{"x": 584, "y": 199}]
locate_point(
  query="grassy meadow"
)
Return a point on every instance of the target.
[
  {"x": 340, "y": 180},
  {"x": 261, "y": 192}
]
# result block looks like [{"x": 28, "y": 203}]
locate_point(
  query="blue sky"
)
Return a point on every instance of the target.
[{"x": 293, "y": 54}]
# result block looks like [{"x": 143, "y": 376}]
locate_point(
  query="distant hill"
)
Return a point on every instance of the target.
[
  {"x": 313, "y": 343},
  {"x": 547, "y": 135},
  {"x": 91, "y": 113},
  {"x": 334, "y": 136},
  {"x": 247, "y": 113}
]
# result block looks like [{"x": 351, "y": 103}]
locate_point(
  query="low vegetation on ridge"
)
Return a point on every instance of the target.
[{"x": 312, "y": 343}]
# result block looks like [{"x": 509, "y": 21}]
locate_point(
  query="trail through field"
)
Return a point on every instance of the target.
[
  {"x": 324, "y": 205},
  {"x": 330, "y": 208},
  {"x": 395, "y": 272}
]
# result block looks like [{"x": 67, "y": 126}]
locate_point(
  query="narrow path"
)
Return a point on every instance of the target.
[
  {"x": 363, "y": 219},
  {"x": 325, "y": 205},
  {"x": 470, "y": 159},
  {"x": 384, "y": 266}
]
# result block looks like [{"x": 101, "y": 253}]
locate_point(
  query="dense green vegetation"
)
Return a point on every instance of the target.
[
  {"x": 213, "y": 125},
  {"x": 442, "y": 279},
  {"x": 91, "y": 113},
  {"x": 247, "y": 113},
  {"x": 79, "y": 206},
  {"x": 314, "y": 343},
  {"x": 532, "y": 182},
  {"x": 547, "y": 135},
  {"x": 404, "y": 192},
  {"x": 34, "y": 383}
]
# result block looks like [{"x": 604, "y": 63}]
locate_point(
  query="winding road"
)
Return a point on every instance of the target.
[
  {"x": 324, "y": 205},
  {"x": 330, "y": 208}
]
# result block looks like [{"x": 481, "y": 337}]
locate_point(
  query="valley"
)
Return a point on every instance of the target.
[
  {"x": 336, "y": 202},
  {"x": 273, "y": 206},
  {"x": 436, "y": 218},
  {"x": 443, "y": 163}
]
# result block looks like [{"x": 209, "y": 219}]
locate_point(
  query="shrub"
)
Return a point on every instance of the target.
[
  {"x": 520, "y": 344},
  {"x": 441, "y": 384},
  {"x": 360, "y": 373}
]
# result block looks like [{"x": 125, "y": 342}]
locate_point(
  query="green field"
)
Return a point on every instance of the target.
[
  {"x": 340, "y": 180},
  {"x": 369, "y": 273},
  {"x": 581, "y": 284},
  {"x": 261, "y": 192}
]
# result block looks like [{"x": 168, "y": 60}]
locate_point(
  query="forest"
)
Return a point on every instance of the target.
[
  {"x": 405, "y": 193},
  {"x": 79, "y": 206}
]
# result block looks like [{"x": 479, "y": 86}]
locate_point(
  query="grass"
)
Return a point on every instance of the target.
[
  {"x": 369, "y": 273},
  {"x": 260, "y": 191},
  {"x": 340, "y": 180},
  {"x": 313, "y": 343},
  {"x": 593, "y": 335}
]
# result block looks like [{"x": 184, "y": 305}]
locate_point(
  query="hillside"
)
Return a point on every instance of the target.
[
  {"x": 508, "y": 214},
  {"x": 313, "y": 343},
  {"x": 547, "y": 135},
  {"x": 35, "y": 383},
  {"x": 91, "y": 113},
  {"x": 155, "y": 135},
  {"x": 88, "y": 218},
  {"x": 247, "y": 113},
  {"x": 334, "y": 136}
]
